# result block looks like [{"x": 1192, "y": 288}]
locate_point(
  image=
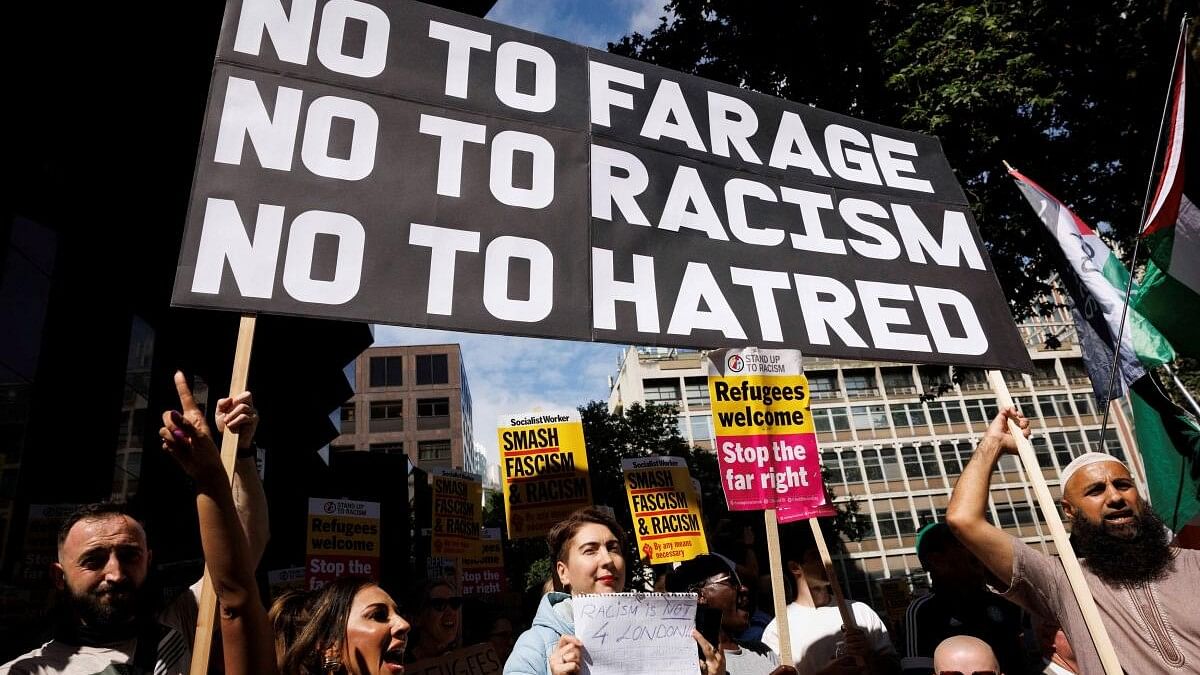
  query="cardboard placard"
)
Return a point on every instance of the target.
[
  {"x": 457, "y": 513},
  {"x": 400, "y": 163},
  {"x": 485, "y": 575},
  {"x": 545, "y": 470},
  {"x": 480, "y": 659},
  {"x": 343, "y": 538},
  {"x": 665, "y": 508},
  {"x": 765, "y": 441}
]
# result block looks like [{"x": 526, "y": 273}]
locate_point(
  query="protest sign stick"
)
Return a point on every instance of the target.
[
  {"x": 776, "y": 559},
  {"x": 207, "y": 615},
  {"x": 834, "y": 584},
  {"x": 1087, "y": 604}
]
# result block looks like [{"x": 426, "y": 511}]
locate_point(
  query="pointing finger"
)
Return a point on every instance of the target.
[{"x": 185, "y": 393}]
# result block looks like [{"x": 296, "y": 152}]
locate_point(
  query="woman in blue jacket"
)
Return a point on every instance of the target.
[{"x": 587, "y": 549}]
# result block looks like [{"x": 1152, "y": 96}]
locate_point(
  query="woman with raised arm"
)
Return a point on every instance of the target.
[{"x": 245, "y": 631}]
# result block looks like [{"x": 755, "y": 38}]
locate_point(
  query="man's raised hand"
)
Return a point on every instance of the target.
[{"x": 999, "y": 432}]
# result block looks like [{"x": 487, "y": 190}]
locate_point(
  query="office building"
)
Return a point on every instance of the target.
[
  {"x": 894, "y": 438},
  {"x": 413, "y": 401}
]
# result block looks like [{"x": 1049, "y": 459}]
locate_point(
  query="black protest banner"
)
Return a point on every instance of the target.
[{"x": 405, "y": 164}]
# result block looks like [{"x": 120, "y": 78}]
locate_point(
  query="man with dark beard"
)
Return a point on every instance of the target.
[
  {"x": 1145, "y": 589},
  {"x": 110, "y": 626}
]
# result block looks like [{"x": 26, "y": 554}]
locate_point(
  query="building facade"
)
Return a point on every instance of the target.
[
  {"x": 894, "y": 438},
  {"x": 412, "y": 400}
]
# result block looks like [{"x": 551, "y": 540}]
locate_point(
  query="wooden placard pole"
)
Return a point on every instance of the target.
[
  {"x": 775, "y": 557},
  {"x": 1087, "y": 604},
  {"x": 207, "y": 615},
  {"x": 834, "y": 585}
]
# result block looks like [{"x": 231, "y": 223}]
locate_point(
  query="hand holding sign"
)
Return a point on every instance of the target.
[
  {"x": 237, "y": 414},
  {"x": 567, "y": 656},
  {"x": 187, "y": 438}
]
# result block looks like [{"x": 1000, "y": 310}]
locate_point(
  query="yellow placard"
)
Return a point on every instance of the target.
[
  {"x": 758, "y": 405},
  {"x": 665, "y": 509},
  {"x": 457, "y": 514},
  {"x": 545, "y": 470}
]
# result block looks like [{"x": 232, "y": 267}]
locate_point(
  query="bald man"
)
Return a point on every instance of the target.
[
  {"x": 1145, "y": 589},
  {"x": 965, "y": 654}
]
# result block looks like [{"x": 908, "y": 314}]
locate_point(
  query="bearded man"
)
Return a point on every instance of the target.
[
  {"x": 1144, "y": 588},
  {"x": 110, "y": 626}
]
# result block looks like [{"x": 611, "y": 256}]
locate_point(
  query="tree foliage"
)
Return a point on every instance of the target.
[{"x": 1070, "y": 92}]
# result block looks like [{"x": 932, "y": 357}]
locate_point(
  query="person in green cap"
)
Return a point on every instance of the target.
[{"x": 960, "y": 604}]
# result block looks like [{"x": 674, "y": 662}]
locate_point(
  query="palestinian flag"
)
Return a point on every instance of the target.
[
  {"x": 1096, "y": 281},
  {"x": 1169, "y": 441},
  {"x": 1170, "y": 291}
]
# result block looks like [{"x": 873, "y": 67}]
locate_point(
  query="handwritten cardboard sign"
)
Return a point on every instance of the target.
[
  {"x": 665, "y": 507},
  {"x": 766, "y": 443},
  {"x": 480, "y": 659},
  {"x": 637, "y": 633}
]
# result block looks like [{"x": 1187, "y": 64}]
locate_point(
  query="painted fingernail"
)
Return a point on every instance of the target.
[
  {"x": 178, "y": 435},
  {"x": 176, "y": 418}
]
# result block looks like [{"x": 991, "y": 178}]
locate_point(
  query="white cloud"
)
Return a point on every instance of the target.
[
  {"x": 645, "y": 15},
  {"x": 513, "y": 374}
]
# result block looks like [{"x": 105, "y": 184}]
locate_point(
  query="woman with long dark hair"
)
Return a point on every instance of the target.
[{"x": 353, "y": 627}]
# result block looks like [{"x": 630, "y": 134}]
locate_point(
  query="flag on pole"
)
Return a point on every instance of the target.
[
  {"x": 1169, "y": 441},
  {"x": 1170, "y": 292},
  {"x": 1096, "y": 281}
]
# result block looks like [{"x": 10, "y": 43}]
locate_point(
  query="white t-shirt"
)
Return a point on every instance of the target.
[
  {"x": 816, "y": 631},
  {"x": 174, "y": 648}
]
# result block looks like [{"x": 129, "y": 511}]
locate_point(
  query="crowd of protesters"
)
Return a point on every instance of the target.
[{"x": 996, "y": 606}]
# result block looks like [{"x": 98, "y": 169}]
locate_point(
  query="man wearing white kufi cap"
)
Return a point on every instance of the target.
[{"x": 1144, "y": 588}]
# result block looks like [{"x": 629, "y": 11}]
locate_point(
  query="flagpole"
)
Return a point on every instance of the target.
[
  {"x": 1187, "y": 395},
  {"x": 1137, "y": 242}
]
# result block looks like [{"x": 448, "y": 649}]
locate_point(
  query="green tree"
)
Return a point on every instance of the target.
[{"x": 1070, "y": 92}]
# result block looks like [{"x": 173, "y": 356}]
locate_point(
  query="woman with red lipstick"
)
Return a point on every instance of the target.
[
  {"x": 354, "y": 628},
  {"x": 588, "y": 553}
]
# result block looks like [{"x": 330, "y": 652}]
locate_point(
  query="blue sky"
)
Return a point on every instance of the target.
[{"x": 511, "y": 374}]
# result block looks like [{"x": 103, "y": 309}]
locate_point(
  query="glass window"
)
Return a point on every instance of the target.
[
  {"x": 821, "y": 420},
  {"x": 831, "y": 464},
  {"x": 822, "y": 384},
  {"x": 850, "y": 466},
  {"x": 898, "y": 381},
  {"x": 908, "y": 416},
  {"x": 872, "y": 464},
  {"x": 387, "y": 410},
  {"x": 432, "y": 407},
  {"x": 433, "y": 369},
  {"x": 348, "y": 412},
  {"x": 1112, "y": 444},
  {"x": 697, "y": 391},
  {"x": 386, "y": 371},
  {"x": 701, "y": 426},
  {"x": 1042, "y": 450},
  {"x": 860, "y": 383},
  {"x": 427, "y": 450},
  {"x": 661, "y": 390},
  {"x": 1085, "y": 403},
  {"x": 387, "y": 448},
  {"x": 869, "y": 416}
]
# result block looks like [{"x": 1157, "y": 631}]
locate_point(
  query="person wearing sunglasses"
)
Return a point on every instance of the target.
[
  {"x": 436, "y": 618},
  {"x": 965, "y": 655},
  {"x": 716, "y": 583},
  {"x": 587, "y": 549}
]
